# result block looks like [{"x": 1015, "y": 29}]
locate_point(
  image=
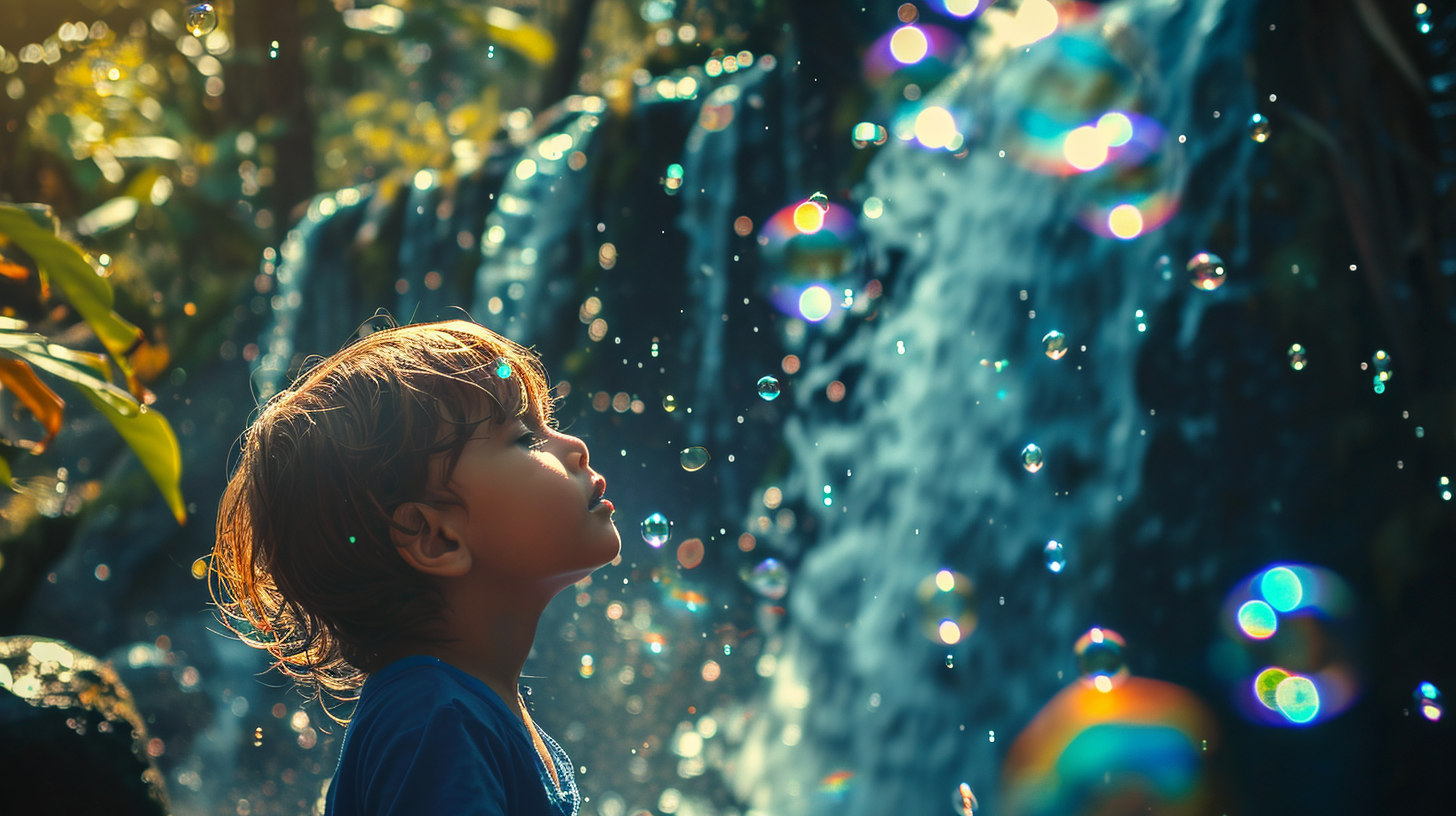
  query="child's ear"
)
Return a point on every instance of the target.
[{"x": 427, "y": 543}]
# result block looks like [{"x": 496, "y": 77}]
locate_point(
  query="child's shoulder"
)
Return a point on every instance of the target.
[{"x": 408, "y": 691}]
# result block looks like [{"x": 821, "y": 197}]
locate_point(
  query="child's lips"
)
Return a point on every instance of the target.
[{"x": 607, "y": 503}]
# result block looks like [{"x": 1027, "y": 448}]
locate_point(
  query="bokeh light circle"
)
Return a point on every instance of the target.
[{"x": 947, "y": 607}]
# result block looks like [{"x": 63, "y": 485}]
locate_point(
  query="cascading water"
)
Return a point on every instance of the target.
[{"x": 922, "y": 456}]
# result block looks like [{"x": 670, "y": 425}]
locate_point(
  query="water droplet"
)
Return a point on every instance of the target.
[
  {"x": 1381, "y": 363},
  {"x": 669, "y": 403},
  {"x": 768, "y": 388},
  {"x": 950, "y": 661},
  {"x": 868, "y": 133},
  {"x": 693, "y": 458},
  {"x": 1259, "y": 128},
  {"x": 1055, "y": 556},
  {"x": 770, "y": 579},
  {"x": 656, "y": 530},
  {"x": 201, "y": 19},
  {"x": 947, "y": 607},
  {"x": 1031, "y": 458},
  {"x": 1205, "y": 271},
  {"x": 1100, "y": 659},
  {"x": 1296, "y": 357},
  {"x": 1428, "y": 701},
  {"x": 1055, "y": 344},
  {"x": 964, "y": 801}
]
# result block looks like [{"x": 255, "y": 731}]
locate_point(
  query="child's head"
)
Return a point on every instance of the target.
[{"x": 308, "y": 558}]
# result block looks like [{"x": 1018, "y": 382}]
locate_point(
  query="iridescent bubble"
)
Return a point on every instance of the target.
[
  {"x": 693, "y": 458},
  {"x": 963, "y": 801},
  {"x": 1259, "y": 128},
  {"x": 656, "y": 530},
  {"x": 770, "y": 579},
  {"x": 1055, "y": 556},
  {"x": 1100, "y": 658},
  {"x": 1381, "y": 363},
  {"x": 768, "y": 388},
  {"x": 669, "y": 403},
  {"x": 1031, "y": 458},
  {"x": 1280, "y": 586},
  {"x": 815, "y": 244},
  {"x": 1297, "y": 357},
  {"x": 1428, "y": 701},
  {"x": 1257, "y": 620},
  {"x": 1266, "y": 683},
  {"x": 868, "y": 133},
  {"x": 200, "y": 19},
  {"x": 947, "y": 607},
  {"x": 1055, "y": 344},
  {"x": 1297, "y": 699},
  {"x": 1206, "y": 271}
]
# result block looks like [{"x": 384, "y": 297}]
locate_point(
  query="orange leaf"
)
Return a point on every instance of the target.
[
  {"x": 47, "y": 406},
  {"x": 13, "y": 271}
]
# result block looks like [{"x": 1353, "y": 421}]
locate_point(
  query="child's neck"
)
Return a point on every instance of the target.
[{"x": 490, "y": 644}]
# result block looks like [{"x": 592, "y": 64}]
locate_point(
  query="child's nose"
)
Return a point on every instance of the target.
[{"x": 574, "y": 445}]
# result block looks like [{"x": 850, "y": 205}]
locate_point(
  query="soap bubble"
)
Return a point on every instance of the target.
[
  {"x": 768, "y": 388},
  {"x": 1257, "y": 620},
  {"x": 1381, "y": 363},
  {"x": 1428, "y": 701},
  {"x": 669, "y": 403},
  {"x": 656, "y": 530},
  {"x": 1099, "y": 658},
  {"x": 1055, "y": 556},
  {"x": 812, "y": 245},
  {"x": 947, "y": 607},
  {"x": 693, "y": 458},
  {"x": 1205, "y": 271},
  {"x": 890, "y": 71},
  {"x": 1444, "y": 485},
  {"x": 1259, "y": 128},
  {"x": 1031, "y": 458},
  {"x": 1297, "y": 698},
  {"x": 201, "y": 19},
  {"x": 963, "y": 801},
  {"x": 1297, "y": 357},
  {"x": 1055, "y": 344},
  {"x": 868, "y": 133},
  {"x": 770, "y": 579}
]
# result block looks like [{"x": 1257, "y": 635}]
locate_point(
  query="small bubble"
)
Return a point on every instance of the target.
[
  {"x": 1205, "y": 271},
  {"x": 694, "y": 458},
  {"x": 868, "y": 133},
  {"x": 199, "y": 568},
  {"x": 1164, "y": 267},
  {"x": 201, "y": 19},
  {"x": 669, "y": 403},
  {"x": 656, "y": 530},
  {"x": 1031, "y": 458},
  {"x": 768, "y": 388},
  {"x": 1381, "y": 363},
  {"x": 1055, "y": 555},
  {"x": 770, "y": 579},
  {"x": 1428, "y": 701},
  {"x": 1100, "y": 659},
  {"x": 1055, "y": 344},
  {"x": 1296, "y": 357},
  {"x": 1445, "y": 485},
  {"x": 1259, "y": 128},
  {"x": 503, "y": 369},
  {"x": 950, "y": 661}
]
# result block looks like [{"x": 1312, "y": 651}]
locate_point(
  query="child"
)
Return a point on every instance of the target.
[{"x": 399, "y": 520}]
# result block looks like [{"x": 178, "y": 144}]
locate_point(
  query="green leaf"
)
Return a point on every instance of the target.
[
  {"x": 4, "y": 472},
  {"x": 87, "y": 292},
  {"x": 144, "y": 430}
]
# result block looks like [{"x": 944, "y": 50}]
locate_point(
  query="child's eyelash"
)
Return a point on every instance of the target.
[{"x": 532, "y": 442}]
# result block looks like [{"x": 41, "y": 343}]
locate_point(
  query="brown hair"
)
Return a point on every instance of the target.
[{"x": 304, "y": 565}]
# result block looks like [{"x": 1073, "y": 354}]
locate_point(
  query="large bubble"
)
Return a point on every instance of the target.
[{"x": 813, "y": 253}]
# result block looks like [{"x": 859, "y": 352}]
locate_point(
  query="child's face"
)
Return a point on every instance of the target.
[{"x": 527, "y": 509}]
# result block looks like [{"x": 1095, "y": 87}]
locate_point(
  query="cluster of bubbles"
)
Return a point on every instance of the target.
[
  {"x": 947, "y": 607},
  {"x": 1428, "y": 701},
  {"x": 1288, "y": 655}
]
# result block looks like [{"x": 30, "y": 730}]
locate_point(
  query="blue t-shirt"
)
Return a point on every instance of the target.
[{"x": 427, "y": 738}]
